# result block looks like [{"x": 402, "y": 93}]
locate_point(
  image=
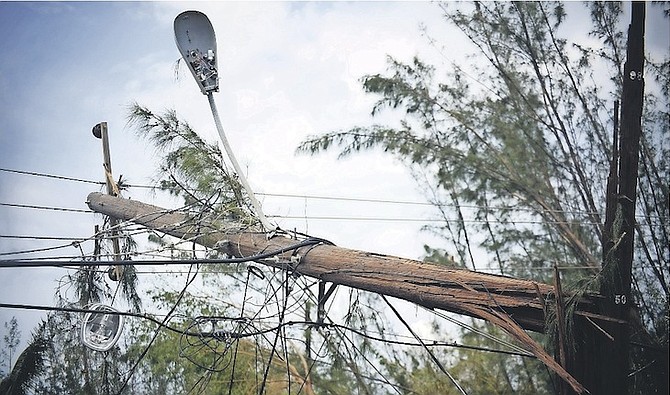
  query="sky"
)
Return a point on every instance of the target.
[{"x": 288, "y": 70}]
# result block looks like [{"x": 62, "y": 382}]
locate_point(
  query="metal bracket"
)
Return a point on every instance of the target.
[{"x": 322, "y": 299}]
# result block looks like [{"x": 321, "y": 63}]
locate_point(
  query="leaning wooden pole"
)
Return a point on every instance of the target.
[
  {"x": 513, "y": 304},
  {"x": 429, "y": 285}
]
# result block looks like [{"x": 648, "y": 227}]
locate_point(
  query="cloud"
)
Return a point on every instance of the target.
[{"x": 287, "y": 70}]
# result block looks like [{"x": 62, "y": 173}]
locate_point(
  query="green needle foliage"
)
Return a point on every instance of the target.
[
  {"x": 514, "y": 147},
  {"x": 27, "y": 368},
  {"x": 192, "y": 168}
]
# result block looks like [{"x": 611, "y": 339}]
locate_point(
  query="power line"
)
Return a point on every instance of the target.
[
  {"x": 73, "y": 210},
  {"x": 399, "y": 219},
  {"x": 418, "y": 338},
  {"x": 295, "y": 196},
  {"x": 361, "y": 219},
  {"x": 73, "y": 244},
  {"x": 43, "y": 237},
  {"x": 257, "y": 257},
  {"x": 286, "y": 195},
  {"x": 31, "y": 173},
  {"x": 322, "y": 197},
  {"x": 429, "y": 343},
  {"x": 75, "y": 264},
  {"x": 345, "y": 199}
]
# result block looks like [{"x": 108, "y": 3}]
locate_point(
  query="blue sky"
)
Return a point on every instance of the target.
[
  {"x": 64, "y": 69},
  {"x": 288, "y": 70},
  {"x": 60, "y": 56}
]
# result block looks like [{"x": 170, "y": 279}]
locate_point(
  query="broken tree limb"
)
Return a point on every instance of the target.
[{"x": 513, "y": 304}]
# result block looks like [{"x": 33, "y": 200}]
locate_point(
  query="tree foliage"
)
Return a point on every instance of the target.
[
  {"x": 192, "y": 168},
  {"x": 11, "y": 341},
  {"x": 514, "y": 149},
  {"x": 23, "y": 377},
  {"x": 195, "y": 170}
]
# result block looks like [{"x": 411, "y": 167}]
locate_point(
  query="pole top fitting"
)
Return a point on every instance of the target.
[{"x": 97, "y": 129}]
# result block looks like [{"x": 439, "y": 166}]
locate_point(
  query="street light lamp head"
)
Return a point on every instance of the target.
[
  {"x": 101, "y": 327},
  {"x": 196, "y": 42}
]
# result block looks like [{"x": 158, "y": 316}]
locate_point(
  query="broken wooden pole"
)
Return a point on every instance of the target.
[
  {"x": 514, "y": 304},
  {"x": 429, "y": 285}
]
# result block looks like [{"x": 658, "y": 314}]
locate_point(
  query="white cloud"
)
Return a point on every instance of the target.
[{"x": 288, "y": 70}]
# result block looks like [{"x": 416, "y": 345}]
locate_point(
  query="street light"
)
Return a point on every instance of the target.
[
  {"x": 101, "y": 327},
  {"x": 196, "y": 42}
]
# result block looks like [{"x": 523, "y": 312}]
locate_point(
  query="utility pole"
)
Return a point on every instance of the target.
[
  {"x": 100, "y": 132},
  {"x": 616, "y": 287},
  {"x": 515, "y": 305},
  {"x": 602, "y": 360}
]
